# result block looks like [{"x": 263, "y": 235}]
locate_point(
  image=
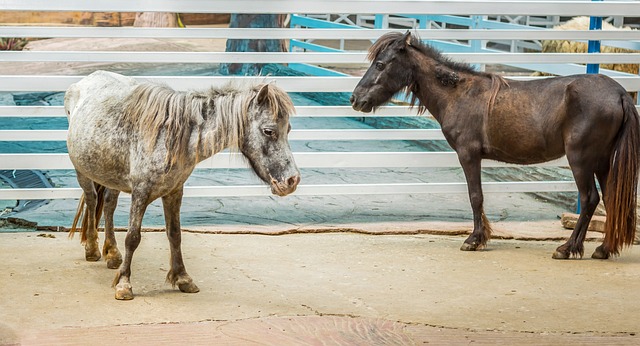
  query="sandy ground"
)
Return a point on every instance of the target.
[{"x": 402, "y": 289}]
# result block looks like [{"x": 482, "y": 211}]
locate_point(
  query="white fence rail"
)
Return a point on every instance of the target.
[
  {"x": 561, "y": 8},
  {"x": 306, "y": 57},
  {"x": 305, "y": 33},
  {"x": 289, "y": 84},
  {"x": 47, "y": 83}
]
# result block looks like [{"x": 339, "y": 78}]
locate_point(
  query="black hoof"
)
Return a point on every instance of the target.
[{"x": 600, "y": 254}]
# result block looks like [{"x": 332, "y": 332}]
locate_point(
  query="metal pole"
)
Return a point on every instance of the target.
[{"x": 595, "y": 23}]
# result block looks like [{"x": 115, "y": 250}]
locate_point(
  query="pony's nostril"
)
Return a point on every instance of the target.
[
  {"x": 352, "y": 99},
  {"x": 361, "y": 105},
  {"x": 293, "y": 181}
]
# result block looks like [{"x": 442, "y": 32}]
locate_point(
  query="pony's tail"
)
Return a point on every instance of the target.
[
  {"x": 622, "y": 183},
  {"x": 83, "y": 213}
]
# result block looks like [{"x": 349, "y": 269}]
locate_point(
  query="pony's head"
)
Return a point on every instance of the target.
[
  {"x": 389, "y": 73},
  {"x": 265, "y": 139}
]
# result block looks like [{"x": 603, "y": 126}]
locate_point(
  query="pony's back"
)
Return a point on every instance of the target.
[{"x": 92, "y": 86}]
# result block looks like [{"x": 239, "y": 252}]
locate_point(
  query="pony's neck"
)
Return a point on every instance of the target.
[
  {"x": 224, "y": 116},
  {"x": 436, "y": 85},
  {"x": 433, "y": 83}
]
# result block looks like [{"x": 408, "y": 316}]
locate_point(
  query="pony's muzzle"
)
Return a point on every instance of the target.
[
  {"x": 360, "y": 104},
  {"x": 285, "y": 187}
]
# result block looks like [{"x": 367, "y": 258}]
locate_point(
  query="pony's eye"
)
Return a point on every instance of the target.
[
  {"x": 379, "y": 66},
  {"x": 269, "y": 132}
]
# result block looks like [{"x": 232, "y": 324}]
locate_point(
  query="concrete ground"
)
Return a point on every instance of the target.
[{"x": 337, "y": 288}]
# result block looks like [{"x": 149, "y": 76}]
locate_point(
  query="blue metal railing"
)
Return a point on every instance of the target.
[{"x": 303, "y": 21}]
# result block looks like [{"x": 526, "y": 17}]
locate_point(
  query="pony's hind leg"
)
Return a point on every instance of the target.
[
  {"x": 602, "y": 175},
  {"x": 110, "y": 249},
  {"x": 589, "y": 200},
  {"x": 177, "y": 275},
  {"x": 89, "y": 224}
]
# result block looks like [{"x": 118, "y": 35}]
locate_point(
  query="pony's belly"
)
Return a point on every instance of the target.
[
  {"x": 524, "y": 144},
  {"x": 118, "y": 172},
  {"x": 100, "y": 166},
  {"x": 524, "y": 157},
  {"x": 114, "y": 177}
]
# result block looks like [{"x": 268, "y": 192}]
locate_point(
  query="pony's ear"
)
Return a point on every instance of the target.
[
  {"x": 407, "y": 38},
  {"x": 262, "y": 94}
]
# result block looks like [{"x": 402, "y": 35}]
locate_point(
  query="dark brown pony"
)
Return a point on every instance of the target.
[{"x": 589, "y": 118}]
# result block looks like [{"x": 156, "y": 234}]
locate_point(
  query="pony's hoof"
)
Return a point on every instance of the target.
[
  {"x": 124, "y": 291},
  {"x": 92, "y": 254},
  {"x": 188, "y": 287},
  {"x": 469, "y": 247},
  {"x": 112, "y": 256},
  {"x": 600, "y": 254},
  {"x": 114, "y": 260},
  {"x": 560, "y": 255},
  {"x": 114, "y": 263}
]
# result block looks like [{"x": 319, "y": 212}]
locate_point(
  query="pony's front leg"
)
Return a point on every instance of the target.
[
  {"x": 177, "y": 274},
  {"x": 110, "y": 249},
  {"x": 122, "y": 283},
  {"x": 471, "y": 165}
]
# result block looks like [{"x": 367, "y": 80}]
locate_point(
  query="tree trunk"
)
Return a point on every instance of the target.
[
  {"x": 156, "y": 19},
  {"x": 246, "y": 45}
]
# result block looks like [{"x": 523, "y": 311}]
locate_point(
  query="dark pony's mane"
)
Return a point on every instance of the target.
[
  {"x": 447, "y": 74},
  {"x": 388, "y": 39}
]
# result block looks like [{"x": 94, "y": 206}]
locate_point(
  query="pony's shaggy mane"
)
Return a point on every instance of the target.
[
  {"x": 156, "y": 110},
  {"x": 390, "y": 38}
]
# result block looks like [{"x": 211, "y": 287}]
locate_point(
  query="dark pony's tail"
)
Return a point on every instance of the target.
[
  {"x": 82, "y": 213},
  {"x": 622, "y": 183}
]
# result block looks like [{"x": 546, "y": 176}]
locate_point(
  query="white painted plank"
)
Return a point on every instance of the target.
[
  {"x": 31, "y": 83},
  {"x": 314, "y": 190},
  {"x": 303, "y": 160},
  {"x": 302, "y": 134},
  {"x": 290, "y": 84},
  {"x": 305, "y": 33},
  {"x": 562, "y": 8},
  {"x": 305, "y": 57},
  {"x": 33, "y": 135},
  {"x": 302, "y": 111}
]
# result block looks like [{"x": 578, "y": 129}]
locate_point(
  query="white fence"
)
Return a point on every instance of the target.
[{"x": 42, "y": 161}]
